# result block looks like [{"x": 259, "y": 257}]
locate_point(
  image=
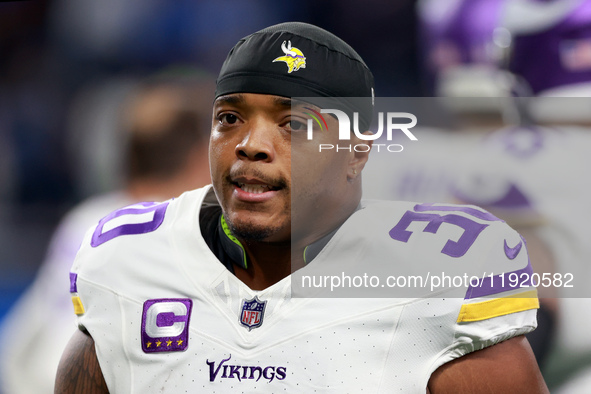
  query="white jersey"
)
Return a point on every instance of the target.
[{"x": 167, "y": 315}]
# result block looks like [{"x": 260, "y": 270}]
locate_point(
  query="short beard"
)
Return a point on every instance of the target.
[{"x": 250, "y": 233}]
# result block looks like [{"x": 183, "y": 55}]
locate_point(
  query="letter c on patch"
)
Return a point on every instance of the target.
[{"x": 166, "y": 319}]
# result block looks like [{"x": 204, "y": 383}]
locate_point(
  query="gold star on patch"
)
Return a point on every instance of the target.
[
  {"x": 168, "y": 343},
  {"x": 179, "y": 342},
  {"x": 158, "y": 343}
]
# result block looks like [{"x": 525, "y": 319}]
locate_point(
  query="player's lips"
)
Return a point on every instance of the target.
[{"x": 253, "y": 190}]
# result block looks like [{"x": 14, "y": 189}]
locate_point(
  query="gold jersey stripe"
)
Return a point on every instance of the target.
[
  {"x": 78, "y": 307},
  {"x": 499, "y": 306}
]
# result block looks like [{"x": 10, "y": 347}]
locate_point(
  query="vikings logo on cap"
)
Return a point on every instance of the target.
[{"x": 294, "y": 58}]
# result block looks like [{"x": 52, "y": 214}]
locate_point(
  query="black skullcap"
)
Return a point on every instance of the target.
[{"x": 331, "y": 69}]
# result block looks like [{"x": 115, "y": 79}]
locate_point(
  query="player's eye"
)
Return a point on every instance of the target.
[
  {"x": 295, "y": 125},
  {"x": 227, "y": 119}
]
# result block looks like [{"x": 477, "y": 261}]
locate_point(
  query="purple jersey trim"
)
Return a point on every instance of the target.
[
  {"x": 73, "y": 282},
  {"x": 488, "y": 286}
]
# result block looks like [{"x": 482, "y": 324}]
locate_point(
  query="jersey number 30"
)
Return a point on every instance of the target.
[{"x": 457, "y": 248}]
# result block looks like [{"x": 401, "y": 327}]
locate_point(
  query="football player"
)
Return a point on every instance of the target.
[{"x": 194, "y": 294}]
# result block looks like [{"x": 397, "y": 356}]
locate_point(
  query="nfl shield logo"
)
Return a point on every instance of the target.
[{"x": 252, "y": 313}]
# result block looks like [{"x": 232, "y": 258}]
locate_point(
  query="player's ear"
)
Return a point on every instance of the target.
[{"x": 359, "y": 155}]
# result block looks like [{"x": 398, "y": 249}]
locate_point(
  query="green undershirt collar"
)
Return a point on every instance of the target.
[
  {"x": 231, "y": 245},
  {"x": 236, "y": 252}
]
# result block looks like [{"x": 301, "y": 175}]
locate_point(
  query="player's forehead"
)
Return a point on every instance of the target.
[{"x": 257, "y": 99}]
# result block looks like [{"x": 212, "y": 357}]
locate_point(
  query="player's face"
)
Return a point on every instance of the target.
[{"x": 252, "y": 141}]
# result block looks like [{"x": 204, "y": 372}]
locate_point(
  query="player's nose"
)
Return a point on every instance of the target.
[{"x": 257, "y": 142}]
